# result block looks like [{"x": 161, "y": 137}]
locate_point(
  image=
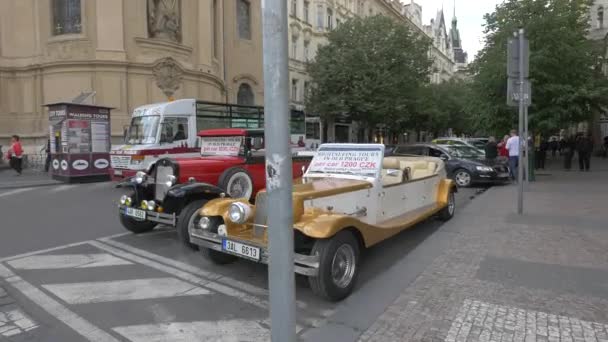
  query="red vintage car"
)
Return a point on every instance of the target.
[{"x": 231, "y": 164}]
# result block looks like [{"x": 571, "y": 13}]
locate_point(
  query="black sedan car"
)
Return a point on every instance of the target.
[{"x": 464, "y": 164}]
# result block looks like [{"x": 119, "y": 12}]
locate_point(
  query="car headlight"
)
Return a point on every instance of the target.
[
  {"x": 140, "y": 177},
  {"x": 204, "y": 223},
  {"x": 239, "y": 212},
  {"x": 123, "y": 199},
  {"x": 151, "y": 205},
  {"x": 484, "y": 169},
  {"x": 128, "y": 201},
  {"x": 144, "y": 205}
]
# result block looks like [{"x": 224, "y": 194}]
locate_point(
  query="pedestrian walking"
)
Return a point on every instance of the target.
[
  {"x": 541, "y": 148},
  {"x": 47, "y": 162},
  {"x": 584, "y": 147},
  {"x": 554, "y": 144},
  {"x": 15, "y": 154},
  {"x": 567, "y": 150},
  {"x": 503, "y": 153},
  {"x": 491, "y": 150},
  {"x": 513, "y": 148}
]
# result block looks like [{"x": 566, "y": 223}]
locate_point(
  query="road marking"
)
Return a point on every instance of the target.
[
  {"x": 120, "y": 290},
  {"x": 229, "y": 330},
  {"x": 52, "y": 261},
  {"x": 228, "y": 291},
  {"x": 14, "y": 192},
  {"x": 77, "y": 323},
  {"x": 62, "y": 188},
  {"x": 19, "y": 256},
  {"x": 188, "y": 268}
]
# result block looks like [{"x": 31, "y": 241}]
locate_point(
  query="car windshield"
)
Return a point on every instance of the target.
[
  {"x": 462, "y": 151},
  {"x": 143, "y": 130}
]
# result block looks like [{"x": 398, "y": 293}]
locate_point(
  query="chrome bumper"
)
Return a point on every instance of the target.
[
  {"x": 153, "y": 216},
  {"x": 307, "y": 265}
]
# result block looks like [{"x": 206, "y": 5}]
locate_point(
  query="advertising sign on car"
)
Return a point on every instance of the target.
[
  {"x": 355, "y": 160},
  {"x": 221, "y": 146}
]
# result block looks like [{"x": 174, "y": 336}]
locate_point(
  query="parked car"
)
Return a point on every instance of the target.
[
  {"x": 231, "y": 164},
  {"x": 465, "y": 164},
  {"x": 456, "y": 141},
  {"x": 352, "y": 198},
  {"x": 479, "y": 143}
]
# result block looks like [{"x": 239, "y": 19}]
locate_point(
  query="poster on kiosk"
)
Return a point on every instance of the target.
[{"x": 79, "y": 137}]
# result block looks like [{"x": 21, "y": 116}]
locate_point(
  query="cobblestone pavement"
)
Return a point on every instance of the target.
[
  {"x": 13, "y": 321},
  {"x": 538, "y": 277}
]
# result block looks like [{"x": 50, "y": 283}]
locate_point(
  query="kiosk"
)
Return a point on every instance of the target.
[{"x": 80, "y": 142}]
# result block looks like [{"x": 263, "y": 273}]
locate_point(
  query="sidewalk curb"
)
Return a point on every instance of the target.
[{"x": 360, "y": 311}]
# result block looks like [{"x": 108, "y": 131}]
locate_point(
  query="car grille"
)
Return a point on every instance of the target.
[
  {"x": 161, "y": 178},
  {"x": 120, "y": 162},
  {"x": 261, "y": 214}
]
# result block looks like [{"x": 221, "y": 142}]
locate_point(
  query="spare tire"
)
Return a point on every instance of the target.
[{"x": 237, "y": 183}]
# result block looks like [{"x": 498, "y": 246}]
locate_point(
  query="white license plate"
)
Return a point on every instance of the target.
[
  {"x": 117, "y": 172},
  {"x": 137, "y": 213},
  {"x": 241, "y": 249}
]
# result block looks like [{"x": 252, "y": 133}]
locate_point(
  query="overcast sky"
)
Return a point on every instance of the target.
[{"x": 470, "y": 18}]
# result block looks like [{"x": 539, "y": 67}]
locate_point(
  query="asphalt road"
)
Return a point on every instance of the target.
[{"x": 95, "y": 284}]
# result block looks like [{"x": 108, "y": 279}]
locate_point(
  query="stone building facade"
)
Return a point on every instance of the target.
[
  {"x": 128, "y": 52},
  {"x": 598, "y": 31}
]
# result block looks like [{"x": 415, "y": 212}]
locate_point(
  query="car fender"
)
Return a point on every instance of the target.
[
  {"x": 180, "y": 195},
  {"x": 443, "y": 192}
]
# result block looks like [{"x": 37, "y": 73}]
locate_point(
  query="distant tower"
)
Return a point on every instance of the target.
[{"x": 460, "y": 57}]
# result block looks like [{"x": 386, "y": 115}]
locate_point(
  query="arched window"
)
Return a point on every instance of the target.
[
  {"x": 66, "y": 17},
  {"x": 600, "y": 17},
  {"x": 245, "y": 95}
]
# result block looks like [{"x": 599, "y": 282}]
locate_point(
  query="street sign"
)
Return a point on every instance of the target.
[
  {"x": 513, "y": 92},
  {"x": 513, "y": 55}
]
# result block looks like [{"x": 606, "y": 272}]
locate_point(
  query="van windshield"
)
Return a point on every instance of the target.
[{"x": 143, "y": 130}]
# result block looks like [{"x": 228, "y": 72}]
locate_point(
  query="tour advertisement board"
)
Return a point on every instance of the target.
[
  {"x": 353, "y": 160},
  {"x": 79, "y": 135}
]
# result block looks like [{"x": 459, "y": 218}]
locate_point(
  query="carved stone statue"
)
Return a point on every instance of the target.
[
  {"x": 164, "y": 19},
  {"x": 168, "y": 75}
]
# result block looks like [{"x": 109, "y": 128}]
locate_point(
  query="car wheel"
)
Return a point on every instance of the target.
[
  {"x": 187, "y": 220},
  {"x": 448, "y": 212},
  {"x": 338, "y": 266},
  {"x": 133, "y": 225},
  {"x": 237, "y": 182},
  {"x": 218, "y": 258},
  {"x": 463, "y": 178}
]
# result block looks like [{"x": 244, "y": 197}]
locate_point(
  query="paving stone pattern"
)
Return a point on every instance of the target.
[
  {"x": 486, "y": 275},
  {"x": 13, "y": 321}
]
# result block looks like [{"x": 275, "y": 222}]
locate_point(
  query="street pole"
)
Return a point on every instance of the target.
[
  {"x": 522, "y": 105},
  {"x": 281, "y": 275}
]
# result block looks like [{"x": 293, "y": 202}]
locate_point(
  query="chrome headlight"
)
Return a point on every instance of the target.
[
  {"x": 144, "y": 205},
  {"x": 239, "y": 212},
  {"x": 484, "y": 169},
  {"x": 128, "y": 201},
  {"x": 123, "y": 199},
  {"x": 140, "y": 177},
  {"x": 204, "y": 223},
  {"x": 151, "y": 205}
]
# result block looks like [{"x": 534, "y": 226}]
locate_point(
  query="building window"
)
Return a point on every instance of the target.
[
  {"x": 245, "y": 95},
  {"x": 320, "y": 15},
  {"x": 244, "y": 19},
  {"x": 66, "y": 17},
  {"x": 294, "y": 8},
  {"x": 306, "y": 50},
  {"x": 294, "y": 47},
  {"x": 306, "y": 89},
  {"x": 600, "y": 17},
  {"x": 330, "y": 19},
  {"x": 215, "y": 28},
  {"x": 294, "y": 90},
  {"x": 306, "y": 11}
]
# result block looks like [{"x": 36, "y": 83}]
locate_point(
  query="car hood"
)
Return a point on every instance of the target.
[{"x": 328, "y": 187}]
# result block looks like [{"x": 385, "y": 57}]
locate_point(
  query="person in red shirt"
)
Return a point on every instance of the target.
[
  {"x": 15, "y": 153},
  {"x": 502, "y": 147}
]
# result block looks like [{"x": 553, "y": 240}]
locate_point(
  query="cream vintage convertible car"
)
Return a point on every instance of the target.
[{"x": 350, "y": 198}]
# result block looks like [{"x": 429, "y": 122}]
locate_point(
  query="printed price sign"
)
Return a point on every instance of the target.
[
  {"x": 353, "y": 161},
  {"x": 221, "y": 146}
]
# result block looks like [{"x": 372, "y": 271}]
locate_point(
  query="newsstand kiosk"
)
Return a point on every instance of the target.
[{"x": 80, "y": 142}]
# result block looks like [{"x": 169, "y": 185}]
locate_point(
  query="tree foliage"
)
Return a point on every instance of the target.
[
  {"x": 564, "y": 65},
  {"x": 370, "y": 70}
]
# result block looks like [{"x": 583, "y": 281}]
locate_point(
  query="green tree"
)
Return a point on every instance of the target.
[
  {"x": 370, "y": 70},
  {"x": 564, "y": 65}
]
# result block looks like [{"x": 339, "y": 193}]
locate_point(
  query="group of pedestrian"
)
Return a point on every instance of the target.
[{"x": 507, "y": 150}]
